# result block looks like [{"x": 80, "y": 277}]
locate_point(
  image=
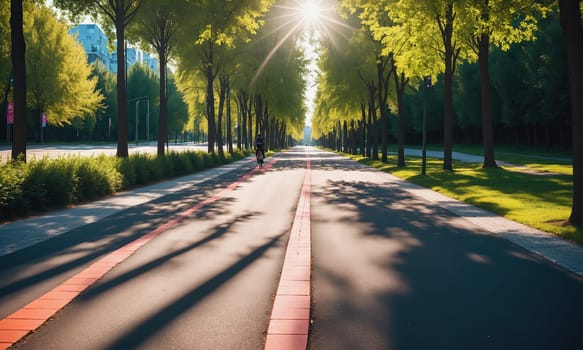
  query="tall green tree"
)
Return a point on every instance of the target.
[
  {"x": 157, "y": 24},
  {"x": 58, "y": 76},
  {"x": 119, "y": 14},
  {"x": 374, "y": 16},
  {"x": 106, "y": 121},
  {"x": 499, "y": 23},
  {"x": 570, "y": 11},
  {"x": 433, "y": 27},
  {"x": 214, "y": 26}
]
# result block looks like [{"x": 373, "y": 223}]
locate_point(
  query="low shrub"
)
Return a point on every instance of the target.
[
  {"x": 12, "y": 201},
  {"x": 96, "y": 177},
  {"x": 50, "y": 183},
  {"x": 142, "y": 164},
  {"x": 208, "y": 160},
  {"x": 40, "y": 185}
]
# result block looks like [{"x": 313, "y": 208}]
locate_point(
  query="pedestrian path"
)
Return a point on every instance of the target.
[
  {"x": 471, "y": 158},
  {"x": 24, "y": 233}
]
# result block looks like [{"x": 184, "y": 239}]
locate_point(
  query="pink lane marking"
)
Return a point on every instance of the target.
[
  {"x": 290, "y": 318},
  {"x": 33, "y": 315}
]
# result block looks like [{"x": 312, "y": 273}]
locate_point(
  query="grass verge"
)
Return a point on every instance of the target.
[{"x": 539, "y": 201}]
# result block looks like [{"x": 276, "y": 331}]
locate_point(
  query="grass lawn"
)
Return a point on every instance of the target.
[{"x": 539, "y": 201}]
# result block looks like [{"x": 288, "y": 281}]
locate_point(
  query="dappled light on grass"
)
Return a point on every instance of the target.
[{"x": 539, "y": 201}]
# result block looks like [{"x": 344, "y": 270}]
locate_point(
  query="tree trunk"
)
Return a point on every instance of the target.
[
  {"x": 210, "y": 107},
  {"x": 570, "y": 14},
  {"x": 250, "y": 122},
  {"x": 258, "y": 119},
  {"x": 243, "y": 126},
  {"x": 122, "y": 99},
  {"x": 487, "y": 130},
  {"x": 374, "y": 127},
  {"x": 447, "y": 33},
  {"x": 19, "y": 73},
  {"x": 222, "y": 97},
  {"x": 400, "y": 85},
  {"x": 383, "y": 110},
  {"x": 363, "y": 128},
  {"x": 163, "y": 119}
]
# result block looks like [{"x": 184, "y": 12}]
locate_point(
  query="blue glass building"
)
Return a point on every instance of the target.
[{"x": 94, "y": 42}]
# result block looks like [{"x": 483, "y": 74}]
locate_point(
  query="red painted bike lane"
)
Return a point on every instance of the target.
[{"x": 290, "y": 318}]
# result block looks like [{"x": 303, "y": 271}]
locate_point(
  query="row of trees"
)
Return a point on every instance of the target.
[
  {"x": 217, "y": 46},
  {"x": 78, "y": 99},
  {"x": 396, "y": 43},
  {"x": 530, "y": 97}
]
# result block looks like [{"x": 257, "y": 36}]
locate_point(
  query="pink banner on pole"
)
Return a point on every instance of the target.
[
  {"x": 10, "y": 115},
  {"x": 44, "y": 120}
]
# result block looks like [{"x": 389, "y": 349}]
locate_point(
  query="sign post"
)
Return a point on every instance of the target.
[
  {"x": 9, "y": 119},
  {"x": 43, "y": 124},
  {"x": 426, "y": 87}
]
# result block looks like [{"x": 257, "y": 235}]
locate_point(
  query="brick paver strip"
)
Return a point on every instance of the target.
[
  {"x": 33, "y": 315},
  {"x": 290, "y": 318}
]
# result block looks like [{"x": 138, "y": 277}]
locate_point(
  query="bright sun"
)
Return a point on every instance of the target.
[{"x": 310, "y": 11}]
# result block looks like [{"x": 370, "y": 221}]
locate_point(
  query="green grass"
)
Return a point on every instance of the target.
[{"x": 539, "y": 201}]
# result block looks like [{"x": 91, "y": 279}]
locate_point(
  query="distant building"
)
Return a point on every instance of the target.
[
  {"x": 151, "y": 62},
  {"x": 133, "y": 56},
  {"x": 94, "y": 42},
  {"x": 307, "y": 135}
]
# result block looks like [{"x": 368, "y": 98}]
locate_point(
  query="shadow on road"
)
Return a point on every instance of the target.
[
  {"x": 416, "y": 276},
  {"x": 63, "y": 256},
  {"x": 165, "y": 315}
]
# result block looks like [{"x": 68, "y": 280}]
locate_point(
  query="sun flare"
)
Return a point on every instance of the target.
[{"x": 310, "y": 11}]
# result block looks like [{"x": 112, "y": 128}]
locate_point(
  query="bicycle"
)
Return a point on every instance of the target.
[{"x": 259, "y": 156}]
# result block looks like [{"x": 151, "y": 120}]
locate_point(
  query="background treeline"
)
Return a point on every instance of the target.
[
  {"x": 102, "y": 125},
  {"x": 530, "y": 97},
  {"x": 499, "y": 73}
]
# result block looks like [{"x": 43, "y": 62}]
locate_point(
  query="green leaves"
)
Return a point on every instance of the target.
[{"x": 58, "y": 77}]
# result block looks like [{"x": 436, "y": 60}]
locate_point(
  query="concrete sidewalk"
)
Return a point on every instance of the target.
[
  {"x": 464, "y": 157},
  {"x": 24, "y": 233}
]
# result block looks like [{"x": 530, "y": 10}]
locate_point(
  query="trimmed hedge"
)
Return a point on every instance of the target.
[{"x": 41, "y": 185}]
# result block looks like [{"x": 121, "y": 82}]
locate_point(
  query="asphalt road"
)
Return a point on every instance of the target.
[{"x": 389, "y": 271}]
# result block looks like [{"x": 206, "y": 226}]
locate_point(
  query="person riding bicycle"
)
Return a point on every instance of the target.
[{"x": 259, "y": 146}]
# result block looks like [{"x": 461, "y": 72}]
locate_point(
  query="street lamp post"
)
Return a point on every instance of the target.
[
  {"x": 137, "y": 119},
  {"x": 138, "y": 100},
  {"x": 426, "y": 87}
]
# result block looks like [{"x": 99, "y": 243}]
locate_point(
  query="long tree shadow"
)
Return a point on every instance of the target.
[
  {"x": 447, "y": 283},
  {"x": 217, "y": 232},
  {"x": 150, "y": 327},
  {"x": 86, "y": 244}
]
